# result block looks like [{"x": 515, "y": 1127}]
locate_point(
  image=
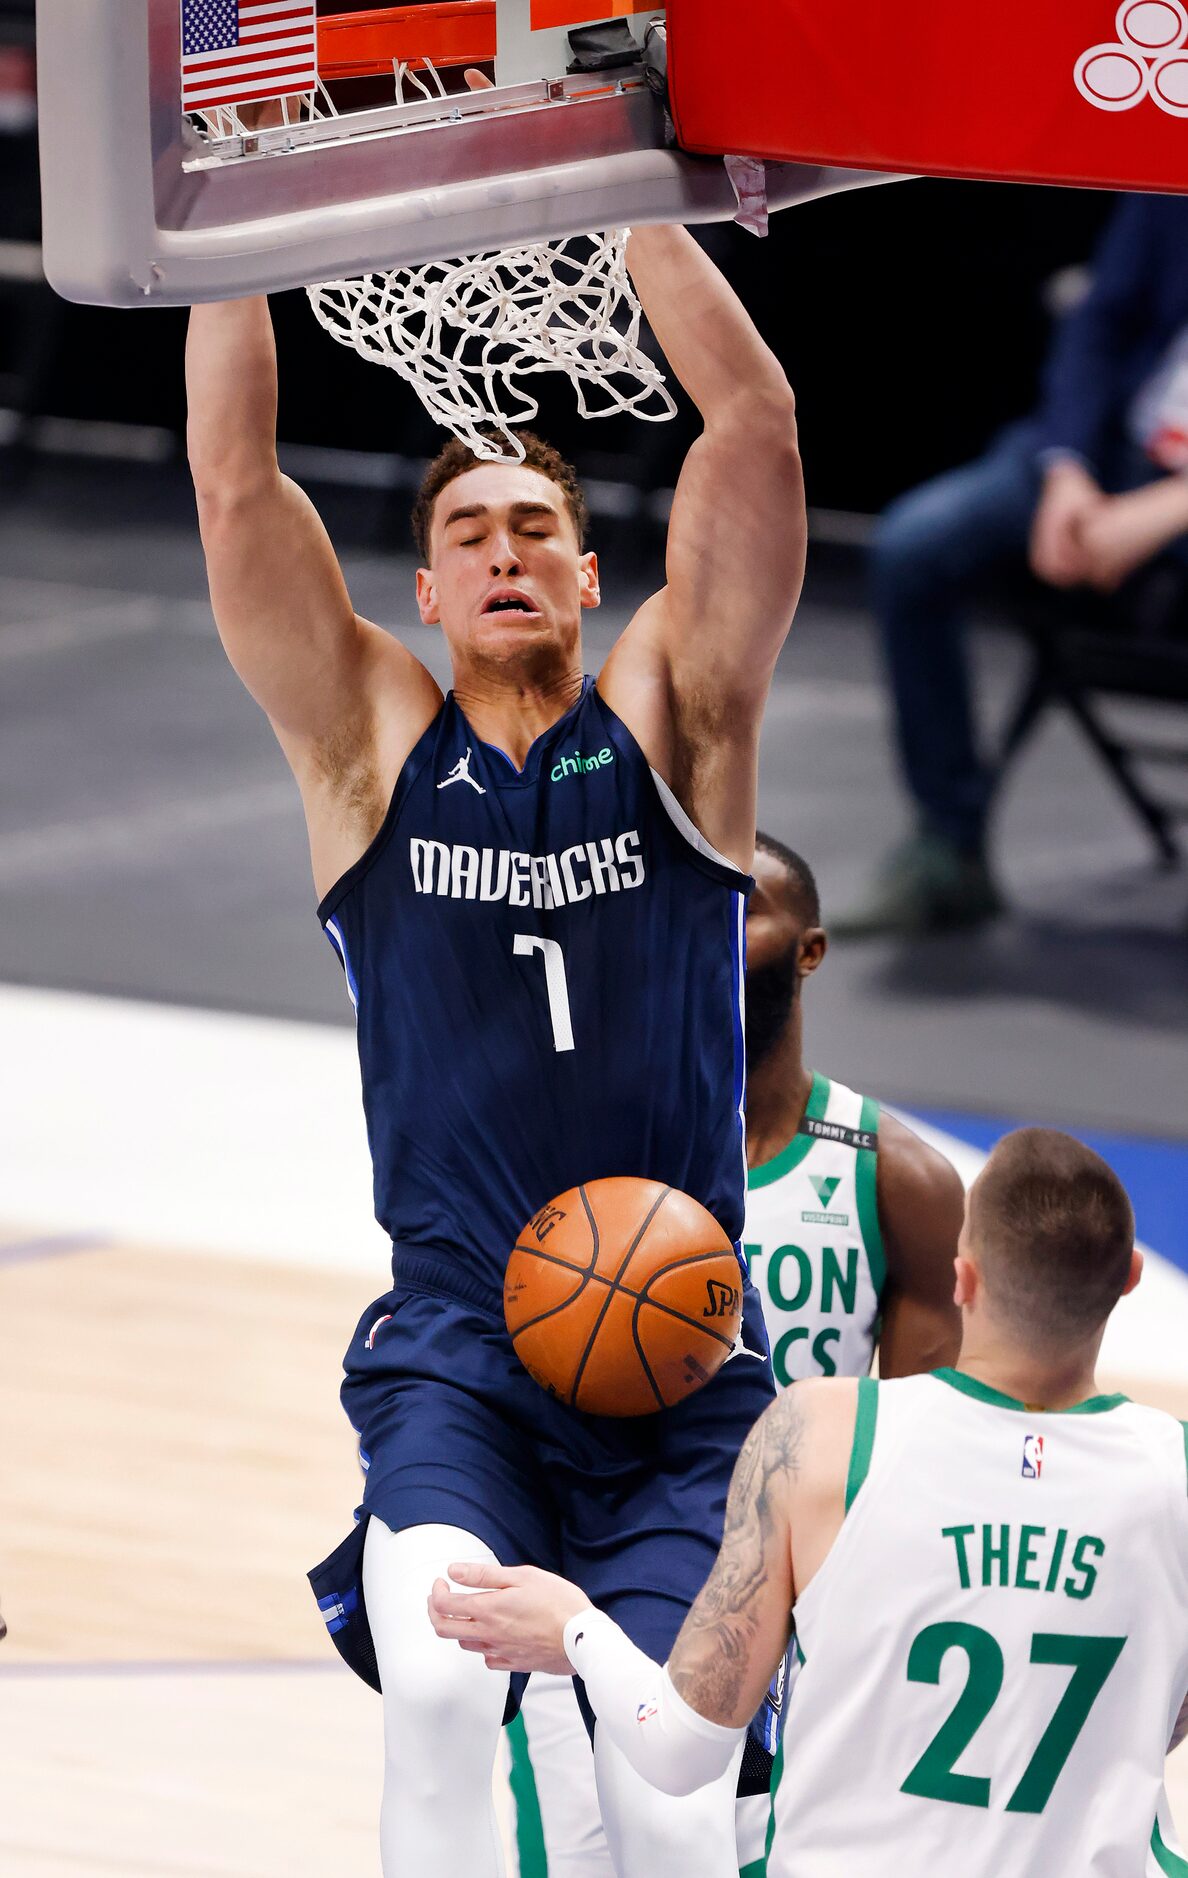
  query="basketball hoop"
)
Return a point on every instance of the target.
[{"x": 466, "y": 333}]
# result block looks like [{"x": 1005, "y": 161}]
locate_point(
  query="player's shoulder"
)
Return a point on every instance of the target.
[
  {"x": 1157, "y": 1429},
  {"x": 810, "y": 1425},
  {"x": 912, "y": 1172}
]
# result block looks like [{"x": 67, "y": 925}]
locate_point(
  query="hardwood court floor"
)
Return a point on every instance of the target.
[{"x": 173, "y": 1457}]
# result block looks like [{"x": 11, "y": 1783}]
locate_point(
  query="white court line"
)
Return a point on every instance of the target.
[
  {"x": 125, "y": 838},
  {"x": 78, "y": 594},
  {"x": 35, "y": 639},
  {"x": 204, "y": 1131}
]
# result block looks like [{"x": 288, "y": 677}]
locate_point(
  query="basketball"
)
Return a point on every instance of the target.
[{"x": 622, "y": 1297}]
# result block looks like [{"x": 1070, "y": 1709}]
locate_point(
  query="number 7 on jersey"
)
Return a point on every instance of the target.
[{"x": 556, "y": 988}]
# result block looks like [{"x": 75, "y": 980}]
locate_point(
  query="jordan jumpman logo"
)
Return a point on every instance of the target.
[{"x": 461, "y": 773}]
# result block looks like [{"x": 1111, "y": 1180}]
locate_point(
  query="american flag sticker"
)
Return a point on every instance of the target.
[
  {"x": 238, "y": 51},
  {"x": 1033, "y": 1456}
]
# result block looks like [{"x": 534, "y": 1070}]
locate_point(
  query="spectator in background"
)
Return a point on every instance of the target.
[{"x": 1089, "y": 489}]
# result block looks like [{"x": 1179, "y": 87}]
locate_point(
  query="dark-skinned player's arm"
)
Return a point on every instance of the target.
[
  {"x": 921, "y": 1204},
  {"x": 346, "y": 700},
  {"x": 681, "y": 1725},
  {"x": 690, "y": 675}
]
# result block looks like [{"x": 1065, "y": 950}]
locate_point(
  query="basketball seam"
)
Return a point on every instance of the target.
[
  {"x": 565, "y": 1303},
  {"x": 692, "y": 1258},
  {"x": 589, "y": 1212},
  {"x": 643, "y": 1298},
  {"x": 670, "y": 1310},
  {"x": 615, "y": 1282},
  {"x": 542, "y": 1316},
  {"x": 643, "y": 1361},
  {"x": 551, "y": 1259},
  {"x": 612, "y": 1284}
]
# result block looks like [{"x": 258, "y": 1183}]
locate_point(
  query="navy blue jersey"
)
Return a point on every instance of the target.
[{"x": 546, "y": 966}]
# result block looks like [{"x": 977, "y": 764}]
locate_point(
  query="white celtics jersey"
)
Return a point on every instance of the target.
[
  {"x": 812, "y": 1239},
  {"x": 996, "y": 1648}
]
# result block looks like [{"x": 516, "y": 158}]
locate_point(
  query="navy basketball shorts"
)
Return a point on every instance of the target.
[{"x": 453, "y": 1431}]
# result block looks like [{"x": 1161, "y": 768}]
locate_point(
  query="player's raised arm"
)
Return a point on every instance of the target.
[
  {"x": 279, "y": 598},
  {"x": 921, "y": 1205},
  {"x": 338, "y": 691},
  {"x": 736, "y": 540},
  {"x": 702, "y": 651}
]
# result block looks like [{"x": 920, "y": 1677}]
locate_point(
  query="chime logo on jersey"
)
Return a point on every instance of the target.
[
  {"x": 1033, "y": 1456},
  {"x": 825, "y": 1186},
  {"x": 579, "y": 765}
]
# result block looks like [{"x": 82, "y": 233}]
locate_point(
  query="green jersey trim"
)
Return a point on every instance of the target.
[
  {"x": 864, "y": 1434},
  {"x": 756, "y": 1869},
  {"x": 1167, "y": 1860},
  {"x": 982, "y": 1392},
  {"x": 791, "y": 1156},
  {"x": 530, "y": 1839},
  {"x": 866, "y": 1182},
  {"x": 777, "y": 1774}
]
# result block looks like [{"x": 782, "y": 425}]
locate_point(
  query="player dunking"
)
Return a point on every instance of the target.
[
  {"x": 546, "y": 967},
  {"x": 851, "y": 1229},
  {"x": 987, "y": 1569}
]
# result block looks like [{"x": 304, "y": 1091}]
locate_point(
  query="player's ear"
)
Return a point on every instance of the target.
[
  {"x": 588, "y": 587},
  {"x": 1135, "y": 1273},
  {"x": 427, "y": 597},
  {"x": 814, "y": 943},
  {"x": 967, "y": 1282}
]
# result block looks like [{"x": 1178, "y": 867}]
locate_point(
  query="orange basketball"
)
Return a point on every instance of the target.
[{"x": 622, "y": 1297}]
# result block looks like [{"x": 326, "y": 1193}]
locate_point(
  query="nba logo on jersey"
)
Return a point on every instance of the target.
[{"x": 1033, "y": 1456}]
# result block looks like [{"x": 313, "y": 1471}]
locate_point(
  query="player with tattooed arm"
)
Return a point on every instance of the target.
[{"x": 985, "y": 1572}]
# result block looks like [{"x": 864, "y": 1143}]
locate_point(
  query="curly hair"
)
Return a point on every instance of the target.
[
  {"x": 458, "y": 457},
  {"x": 800, "y": 876}
]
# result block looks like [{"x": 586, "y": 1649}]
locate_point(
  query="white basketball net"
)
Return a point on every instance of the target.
[{"x": 466, "y": 333}]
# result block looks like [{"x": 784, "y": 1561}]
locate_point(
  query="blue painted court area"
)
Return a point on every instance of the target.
[{"x": 1155, "y": 1173}]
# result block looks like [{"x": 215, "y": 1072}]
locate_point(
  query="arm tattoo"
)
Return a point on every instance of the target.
[{"x": 710, "y": 1659}]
